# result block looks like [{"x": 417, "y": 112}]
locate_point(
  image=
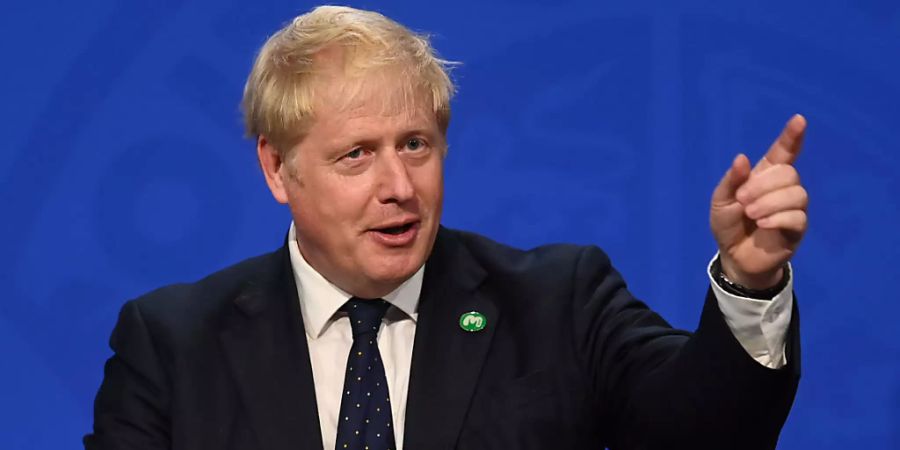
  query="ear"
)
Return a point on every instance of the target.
[{"x": 273, "y": 168}]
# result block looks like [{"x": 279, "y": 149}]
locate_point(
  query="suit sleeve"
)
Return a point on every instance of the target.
[
  {"x": 130, "y": 410},
  {"x": 658, "y": 387}
]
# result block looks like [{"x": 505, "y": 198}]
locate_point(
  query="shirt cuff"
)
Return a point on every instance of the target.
[{"x": 759, "y": 325}]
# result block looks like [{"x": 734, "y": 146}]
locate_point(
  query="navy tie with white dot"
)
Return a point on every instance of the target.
[{"x": 365, "y": 419}]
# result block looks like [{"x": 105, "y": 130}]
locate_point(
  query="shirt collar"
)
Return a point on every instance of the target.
[{"x": 320, "y": 299}]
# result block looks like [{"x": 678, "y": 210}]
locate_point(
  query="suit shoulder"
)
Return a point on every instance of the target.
[
  {"x": 207, "y": 296},
  {"x": 544, "y": 259}
]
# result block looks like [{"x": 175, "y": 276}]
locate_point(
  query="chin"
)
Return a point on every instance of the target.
[{"x": 394, "y": 270}]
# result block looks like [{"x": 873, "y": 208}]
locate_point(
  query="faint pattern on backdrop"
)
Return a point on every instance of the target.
[{"x": 124, "y": 169}]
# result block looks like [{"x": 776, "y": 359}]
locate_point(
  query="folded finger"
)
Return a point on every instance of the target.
[
  {"x": 791, "y": 197},
  {"x": 794, "y": 220},
  {"x": 775, "y": 177}
]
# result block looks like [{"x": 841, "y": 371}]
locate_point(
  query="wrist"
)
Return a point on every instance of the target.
[
  {"x": 740, "y": 290},
  {"x": 755, "y": 281}
]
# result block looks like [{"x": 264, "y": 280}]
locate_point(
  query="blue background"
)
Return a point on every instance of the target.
[{"x": 123, "y": 168}]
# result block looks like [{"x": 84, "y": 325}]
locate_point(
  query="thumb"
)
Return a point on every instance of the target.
[{"x": 737, "y": 174}]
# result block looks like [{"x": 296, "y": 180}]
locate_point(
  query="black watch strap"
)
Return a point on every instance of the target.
[{"x": 737, "y": 289}]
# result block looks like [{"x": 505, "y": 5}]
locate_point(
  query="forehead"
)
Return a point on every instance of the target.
[{"x": 386, "y": 93}]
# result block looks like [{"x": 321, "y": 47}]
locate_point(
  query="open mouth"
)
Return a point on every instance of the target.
[{"x": 400, "y": 229}]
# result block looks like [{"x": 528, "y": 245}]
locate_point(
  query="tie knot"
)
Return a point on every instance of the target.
[{"x": 365, "y": 315}]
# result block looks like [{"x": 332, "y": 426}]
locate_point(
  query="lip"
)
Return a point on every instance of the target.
[
  {"x": 396, "y": 223},
  {"x": 396, "y": 240}
]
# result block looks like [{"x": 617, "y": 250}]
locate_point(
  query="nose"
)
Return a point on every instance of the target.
[{"x": 394, "y": 182}]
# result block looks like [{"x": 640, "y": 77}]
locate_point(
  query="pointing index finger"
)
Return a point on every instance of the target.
[{"x": 786, "y": 148}]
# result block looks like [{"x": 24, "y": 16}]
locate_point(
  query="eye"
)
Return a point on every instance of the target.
[
  {"x": 356, "y": 153},
  {"x": 415, "y": 144}
]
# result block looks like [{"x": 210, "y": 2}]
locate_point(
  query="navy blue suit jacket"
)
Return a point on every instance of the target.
[{"x": 569, "y": 359}]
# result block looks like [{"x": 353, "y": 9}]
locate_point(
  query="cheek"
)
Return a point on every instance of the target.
[
  {"x": 328, "y": 203},
  {"x": 430, "y": 183}
]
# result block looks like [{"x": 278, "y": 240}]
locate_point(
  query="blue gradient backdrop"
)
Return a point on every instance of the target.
[{"x": 123, "y": 168}]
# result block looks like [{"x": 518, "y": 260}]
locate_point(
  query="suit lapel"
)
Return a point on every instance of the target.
[
  {"x": 446, "y": 360},
  {"x": 265, "y": 344}
]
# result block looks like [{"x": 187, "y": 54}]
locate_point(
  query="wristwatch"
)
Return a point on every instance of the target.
[{"x": 743, "y": 291}]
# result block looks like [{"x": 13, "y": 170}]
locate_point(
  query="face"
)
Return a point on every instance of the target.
[{"x": 365, "y": 184}]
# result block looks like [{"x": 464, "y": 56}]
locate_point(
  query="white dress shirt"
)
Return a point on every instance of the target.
[
  {"x": 759, "y": 325},
  {"x": 329, "y": 337}
]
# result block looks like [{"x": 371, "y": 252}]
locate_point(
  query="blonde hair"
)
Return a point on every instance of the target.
[{"x": 279, "y": 94}]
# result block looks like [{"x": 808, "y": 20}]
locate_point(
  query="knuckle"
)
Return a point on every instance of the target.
[
  {"x": 789, "y": 171},
  {"x": 786, "y": 171},
  {"x": 804, "y": 195},
  {"x": 801, "y": 222},
  {"x": 795, "y": 175}
]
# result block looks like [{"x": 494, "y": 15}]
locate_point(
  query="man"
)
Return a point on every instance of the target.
[{"x": 374, "y": 327}]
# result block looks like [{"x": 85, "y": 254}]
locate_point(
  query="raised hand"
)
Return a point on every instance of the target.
[{"x": 758, "y": 216}]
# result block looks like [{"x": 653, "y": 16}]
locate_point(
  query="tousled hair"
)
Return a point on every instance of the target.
[{"x": 280, "y": 91}]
